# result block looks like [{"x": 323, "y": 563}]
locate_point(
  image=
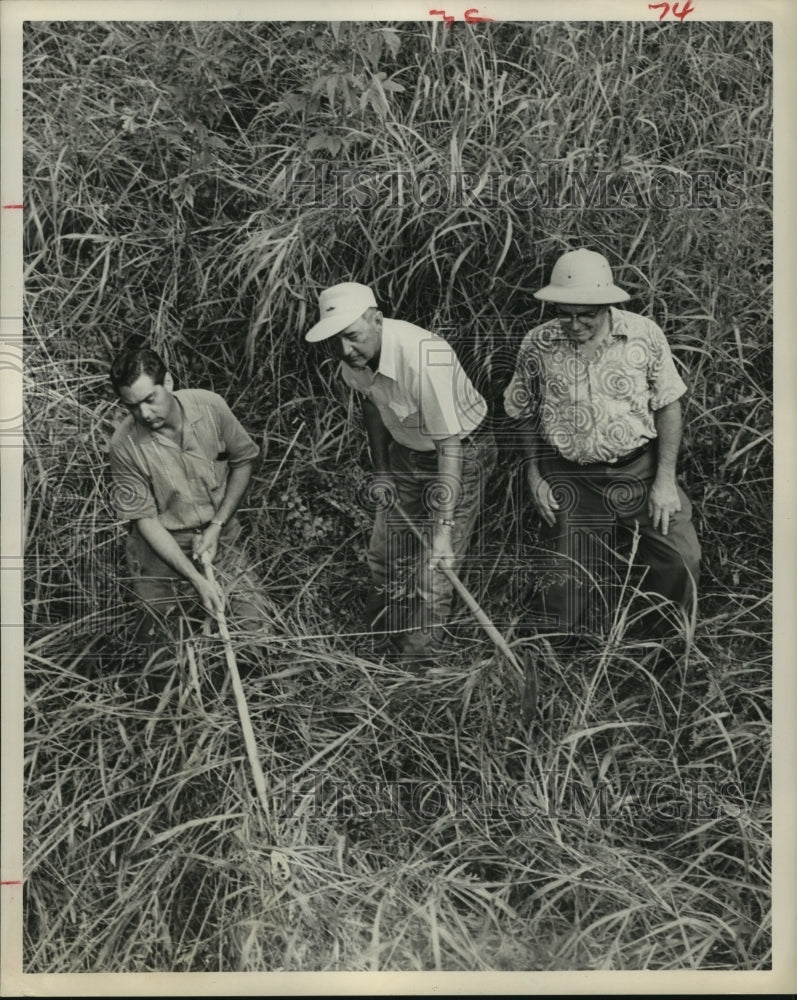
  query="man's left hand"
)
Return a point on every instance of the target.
[
  {"x": 208, "y": 542},
  {"x": 663, "y": 502}
]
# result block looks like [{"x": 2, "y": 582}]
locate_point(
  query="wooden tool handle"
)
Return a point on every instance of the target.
[
  {"x": 240, "y": 699},
  {"x": 468, "y": 598}
]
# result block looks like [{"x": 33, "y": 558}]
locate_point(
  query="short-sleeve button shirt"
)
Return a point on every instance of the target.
[
  {"x": 600, "y": 408},
  {"x": 154, "y": 476},
  {"x": 420, "y": 388}
]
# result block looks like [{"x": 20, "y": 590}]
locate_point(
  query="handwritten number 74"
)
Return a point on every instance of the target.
[{"x": 680, "y": 14}]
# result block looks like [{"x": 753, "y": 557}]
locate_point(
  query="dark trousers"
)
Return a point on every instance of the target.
[
  {"x": 587, "y": 568},
  {"x": 167, "y": 606}
]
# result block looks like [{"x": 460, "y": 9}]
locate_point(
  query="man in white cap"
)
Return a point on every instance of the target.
[
  {"x": 429, "y": 442},
  {"x": 597, "y": 397}
]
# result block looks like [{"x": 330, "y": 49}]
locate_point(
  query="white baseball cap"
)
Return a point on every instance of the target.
[
  {"x": 339, "y": 306},
  {"x": 582, "y": 277}
]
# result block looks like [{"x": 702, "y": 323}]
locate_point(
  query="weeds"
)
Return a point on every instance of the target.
[{"x": 175, "y": 194}]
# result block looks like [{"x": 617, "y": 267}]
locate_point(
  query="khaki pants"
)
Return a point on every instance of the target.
[
  {"x": 166, "y": 599},
  {"x": 411, "y": 595}
]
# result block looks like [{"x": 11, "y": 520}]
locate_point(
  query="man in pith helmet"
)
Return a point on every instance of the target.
[
  {"x": 597, "y": 398},
  {"x": 429, "y": 443}
]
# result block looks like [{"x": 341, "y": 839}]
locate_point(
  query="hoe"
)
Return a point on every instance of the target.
[{"x": 526, "y": 672}]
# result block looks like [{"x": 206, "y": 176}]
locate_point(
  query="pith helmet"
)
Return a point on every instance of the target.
[{"x": 584, "y": 278}]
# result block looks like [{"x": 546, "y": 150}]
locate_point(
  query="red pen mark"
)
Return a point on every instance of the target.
[
  {"x": 447, "y": 18},
  {"x": 476, "y": 20},
  {"x": 680, "y": 14},
  {"x": 12, "y": 206},
  {"x": 17, "y": 882},
  {"x": 469, "y": 17}
]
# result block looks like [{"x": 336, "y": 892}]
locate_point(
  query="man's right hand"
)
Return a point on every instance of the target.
[
  {"x": 209, "y": 597},
  {"x": 544, "y": 502}
]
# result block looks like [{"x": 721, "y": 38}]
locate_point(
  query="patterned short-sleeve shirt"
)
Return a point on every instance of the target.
[
  {"x": 601, "y": 408},
  {"x": 183, "y": 487}
]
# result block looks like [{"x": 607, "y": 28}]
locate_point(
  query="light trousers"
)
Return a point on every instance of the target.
[{"x": 412, "y": 595}]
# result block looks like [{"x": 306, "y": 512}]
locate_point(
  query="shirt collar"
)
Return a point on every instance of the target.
[
  {"x": 619, "y": 324},
  {"x": 388, "y": 357},
  {"x": 191, "y": 411},
  {"x": 191, "y": 415},
  {"x": 388, "y": 352}
]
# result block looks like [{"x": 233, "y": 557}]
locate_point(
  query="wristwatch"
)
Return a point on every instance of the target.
[{"x": 215, "y": 520}]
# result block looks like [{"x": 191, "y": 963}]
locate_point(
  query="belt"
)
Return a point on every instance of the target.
[
  {"x": 620, "y": 463},
  {"x": 475, "y": 433},
  {"x": 632, "y": 456},
  {"x": 177, "y": 531},
  {"x": 201, "y": 527},
  {"x": 468, "y": 439},
  {"x": 189, "y": 531},
  {"x": 197, "y": 530}
]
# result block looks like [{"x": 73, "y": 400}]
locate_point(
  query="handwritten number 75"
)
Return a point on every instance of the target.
[
  {"x": 680, "y": 14},
  {"x": 469, "y": 15}
]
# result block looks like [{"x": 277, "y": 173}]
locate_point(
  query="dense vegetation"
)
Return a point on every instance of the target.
[{"x": 194, "y": 186}]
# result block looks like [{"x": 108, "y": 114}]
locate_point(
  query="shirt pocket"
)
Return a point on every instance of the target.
[
  {"x": 640, "y": 390},
  {"x": 396, "y": 401},
  {"x": 401, "y": 407},
  {"x": 624, "y": 383},
  {"x": 220, "y": 469}
]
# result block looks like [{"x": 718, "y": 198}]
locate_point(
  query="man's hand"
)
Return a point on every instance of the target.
[
  {"x": 442, "y": 553},
  {"x": 209, "y": 597},
  {"x": 207, "y": 542},
  {"x": 663, "y": 502},
  {"x": 542, "y": 495}
]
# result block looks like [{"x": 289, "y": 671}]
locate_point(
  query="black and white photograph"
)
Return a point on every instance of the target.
[{"x": 398, "y": 578}]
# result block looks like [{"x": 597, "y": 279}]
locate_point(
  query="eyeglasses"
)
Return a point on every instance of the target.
[{"x": 583, "y": 317}]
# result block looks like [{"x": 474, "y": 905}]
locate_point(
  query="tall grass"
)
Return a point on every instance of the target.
[{"x": 163, "y": 167}]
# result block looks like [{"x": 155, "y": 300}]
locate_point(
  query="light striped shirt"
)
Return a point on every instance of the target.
[{"x": 154, "y": 476}]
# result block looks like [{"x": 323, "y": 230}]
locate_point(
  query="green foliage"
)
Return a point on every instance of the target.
[
  {"x": 342, "y": 63},
  {"x": 194, "y": 185}
]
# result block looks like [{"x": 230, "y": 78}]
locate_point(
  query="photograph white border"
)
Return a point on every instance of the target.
[{"x": 783, "y": 977}]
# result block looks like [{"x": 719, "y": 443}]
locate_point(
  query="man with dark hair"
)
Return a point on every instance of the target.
[
  {"x": 181, "y": 463},
  {"x": 429, "y": 443},
  {"x": 597, "y": 397},
  {"x": 127, "y": 367}
]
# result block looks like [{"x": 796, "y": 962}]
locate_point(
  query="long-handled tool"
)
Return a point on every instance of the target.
[
  {"x": 527, "y": 672},
  {"x": 240, "y": 699}
]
